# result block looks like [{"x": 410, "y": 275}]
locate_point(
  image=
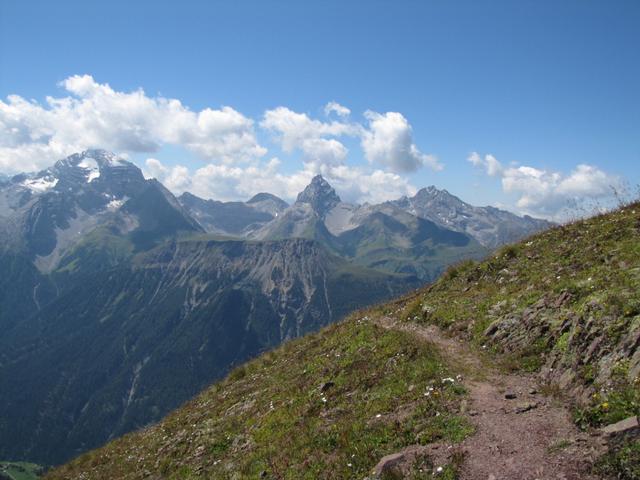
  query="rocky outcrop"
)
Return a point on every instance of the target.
[{"x": 585, "y": 349}]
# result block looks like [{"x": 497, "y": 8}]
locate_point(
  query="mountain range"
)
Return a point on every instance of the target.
[
  {"x": 262, "y": 216},
  {"x": 119, "y": 301}
]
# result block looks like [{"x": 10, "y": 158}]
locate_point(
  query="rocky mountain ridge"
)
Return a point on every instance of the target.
[{"x": 489, "y": 226}]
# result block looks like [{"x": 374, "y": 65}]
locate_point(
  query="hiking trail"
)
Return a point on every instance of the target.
[{"x": 521, "y": 433}]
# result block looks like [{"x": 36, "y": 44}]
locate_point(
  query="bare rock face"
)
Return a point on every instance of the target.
[
  {"x": 44, "y": 215},
  {"x": 320, "y": 195},
  {"x": 586, "y": 335}
]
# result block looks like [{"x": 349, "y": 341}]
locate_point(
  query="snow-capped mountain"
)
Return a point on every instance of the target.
[{"x": 44, "y": 214}]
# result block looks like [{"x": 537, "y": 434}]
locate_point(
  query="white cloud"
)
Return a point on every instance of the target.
[
  {"x": 549, "y": 193},
  {"x": 357, "y": 185},
  {"x": 225, "y": 182},
  {"x": 389, "y": 141},
  {"x": 386, "y": 141},
  {"x": 335, "y": 107},
  {"x": 316, "y": 139},
  {"x": 33, "y": 135},
  {"x": 490, "y": 164}
]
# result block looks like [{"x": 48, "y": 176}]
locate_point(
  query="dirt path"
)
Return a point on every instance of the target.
[{"x": 528, "y": 437}]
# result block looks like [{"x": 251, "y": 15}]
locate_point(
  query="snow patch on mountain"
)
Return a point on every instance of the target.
[
  {"x": 41, "y": 184},
  {"x": 115, "y": 204},
  {"x": 91, "y": 166}
]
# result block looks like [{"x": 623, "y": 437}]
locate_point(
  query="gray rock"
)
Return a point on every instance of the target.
[
  {"x": 389, "y": 463},
  {"x": 525, "y": 407},
  {"x": 627, "y": 426}
]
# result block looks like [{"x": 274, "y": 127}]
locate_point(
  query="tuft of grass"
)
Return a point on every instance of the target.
[{"x": 559, "y": 446}]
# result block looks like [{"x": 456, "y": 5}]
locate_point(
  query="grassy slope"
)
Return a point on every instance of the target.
[
  {"x": 271, "y": 415},
  {"x": 547, "y": 297}
]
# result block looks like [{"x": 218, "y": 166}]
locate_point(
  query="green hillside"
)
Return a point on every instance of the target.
[
  {"x": 19, "y": 471},
  {"x": 563, "y": 305}
]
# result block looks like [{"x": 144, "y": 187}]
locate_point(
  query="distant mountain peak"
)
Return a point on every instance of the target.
[
  {"x": 91, "y": 165},
  {"x": 263, "y": 196},
  {"x": 431, "y": 194},
  {"x": 320, "y": 195},
  {"x": 102, "y": 159},
  {"x": 433, "y": 191}
]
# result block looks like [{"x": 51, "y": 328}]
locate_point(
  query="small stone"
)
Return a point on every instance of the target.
[
  {"x": 326, "y": 386},
  {"x": 533, "y": 391},
  {"x": 525, "y": 407},
  {"x": 628, "y": 425},
  {"x": 510, "y": 396},
  {"x": 263, "y": 474}
]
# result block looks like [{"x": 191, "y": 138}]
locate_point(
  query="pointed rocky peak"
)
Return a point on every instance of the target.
[
  {"x": 320, "y": 195},
  {"x": 430, "y": 192}
]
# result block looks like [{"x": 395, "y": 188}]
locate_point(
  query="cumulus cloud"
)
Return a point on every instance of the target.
[
  {"x": 550, "y": 193},
  {"x": 389, "y": 141},
  {"x": 89, "y": 114},
  {"x": 316, "y": 139},
  {"x": 335, "y": 107},
  {"x": 226, "y": 182},
  {"x": 33, "y": 135}
]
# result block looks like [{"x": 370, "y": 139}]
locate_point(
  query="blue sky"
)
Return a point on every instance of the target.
[{"x": 547, "y": 93}]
